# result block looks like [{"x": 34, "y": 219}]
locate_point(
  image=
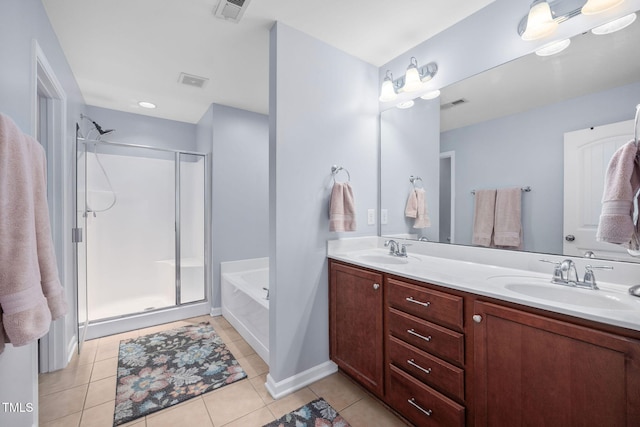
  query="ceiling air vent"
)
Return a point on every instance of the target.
[
  {"x": 453, "y": 104},
  {"x": 191, "y": 80},
  {"x": 231, "y": 10}
]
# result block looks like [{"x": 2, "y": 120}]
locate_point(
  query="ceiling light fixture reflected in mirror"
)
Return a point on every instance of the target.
[
  {"x": 593, "y": 7},
  {"x": 553, "y": 47},
  {"x": 431, "y": 95},
  {"x": 616, "y": 25},
  {"x": 412, "y": 81},
  {"x": 405, "y": 105}
]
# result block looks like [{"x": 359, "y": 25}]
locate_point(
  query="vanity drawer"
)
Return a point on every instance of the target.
[
  {"x": 426, "y": 336},
  {"x": 428, "y": 304},
  {"x": 421, "y": 404},
  {"x": 435, "y": 372}
]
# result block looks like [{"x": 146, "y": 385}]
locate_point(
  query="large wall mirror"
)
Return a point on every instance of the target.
[{"x": 508, "y": 127}]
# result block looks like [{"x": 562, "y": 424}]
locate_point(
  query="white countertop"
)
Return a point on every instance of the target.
[{"x": 612, "y": 304}]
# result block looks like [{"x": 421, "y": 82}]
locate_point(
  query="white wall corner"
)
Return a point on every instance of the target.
[{"x": 279, "y": 389}]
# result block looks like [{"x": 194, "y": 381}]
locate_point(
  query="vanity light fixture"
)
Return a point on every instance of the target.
[
  {"x": 411, "y": 81},
  {"x": 593, "y": 7},
  {"x": 388, "y": 90},
  {"x": 431, "y": 95},
  {"x": 406, "y": 104},
  {"x": 540, "y": 22},
  {"x": 553, "y": 47},
  {"x": 146, "y": 104},
  {"x": 616, "y": 25}
]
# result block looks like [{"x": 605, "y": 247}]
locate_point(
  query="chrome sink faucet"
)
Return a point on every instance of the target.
[
  {"x": 395, "y": 248},
  {"x": 565, "y": 273}
]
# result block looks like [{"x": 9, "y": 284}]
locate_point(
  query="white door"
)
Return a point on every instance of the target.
[{"x": 586, "y": 155}]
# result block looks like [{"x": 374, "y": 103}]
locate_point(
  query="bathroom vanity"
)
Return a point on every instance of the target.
[{"x": 441, "y": 355}]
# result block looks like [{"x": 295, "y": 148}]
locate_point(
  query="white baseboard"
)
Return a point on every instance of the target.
[
  {"x": 289, "y": 385},
  {"x": 216, "y": 311}
]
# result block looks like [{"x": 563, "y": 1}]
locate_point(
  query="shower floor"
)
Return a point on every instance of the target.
[{"x": 129, "y": 306}]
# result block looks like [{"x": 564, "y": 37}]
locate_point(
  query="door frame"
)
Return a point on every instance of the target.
[
  {"x": 452, "y": 156},
  {"x": 55, "y": 350}
]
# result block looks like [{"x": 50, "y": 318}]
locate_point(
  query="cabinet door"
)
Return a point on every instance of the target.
[
  {"x": 356, "y": 324},
  {"x": 531, "y": 370}
]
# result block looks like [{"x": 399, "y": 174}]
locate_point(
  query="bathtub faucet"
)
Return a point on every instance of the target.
[{"x": 266, "y": 289}]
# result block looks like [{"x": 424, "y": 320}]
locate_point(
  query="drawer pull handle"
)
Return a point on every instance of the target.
[
  {"x": 376, "y": 286},
  {"x": 414, "y": 364},
  {"x": 413, "y": 403},
  {"x": 414, "y": 333},
  {"x": 415, "y": 301}
]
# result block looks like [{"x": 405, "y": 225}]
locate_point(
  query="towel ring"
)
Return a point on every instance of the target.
[
  {"x": 414, "y": 179},
  {"x": 336, "y": 169}
]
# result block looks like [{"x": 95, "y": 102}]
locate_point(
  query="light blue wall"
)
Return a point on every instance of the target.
[
  {"x": 323, "y": 112},
  {"x": 485, "y": 156},
  {"x": 410, "y": 145},
  {"x": 141, "y": 130},
  {"x": 22, "y": 22},
  {"x": 240, "y": 187}
]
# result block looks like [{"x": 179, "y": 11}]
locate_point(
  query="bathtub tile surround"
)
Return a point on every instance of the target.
[
  {"x": 162, "y": 369},
  {"x": 71, "y": 398}
]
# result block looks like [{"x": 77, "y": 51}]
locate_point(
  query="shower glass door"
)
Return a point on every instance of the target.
[
  {"x": 80, "y": 240},
  {"x": 191, "y": 213}
]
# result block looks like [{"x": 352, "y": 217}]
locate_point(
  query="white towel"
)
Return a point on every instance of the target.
[
  {"x": 342, "y": 211},
  {"x": 483, "y": 217},
  {"x": 622, "y": 182},
  {"x": 508, "y": 224},
  {"x": 411, "y": 210},
  {"x": 422, "y": 216}
]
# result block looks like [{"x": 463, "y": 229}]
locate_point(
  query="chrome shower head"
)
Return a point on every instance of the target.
[{"x": 96, "y": 125}]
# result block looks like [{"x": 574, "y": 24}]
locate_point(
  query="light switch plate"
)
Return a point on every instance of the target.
[
  {"x": 384, "y": 216},
  {"x": 371, "y": 216}
]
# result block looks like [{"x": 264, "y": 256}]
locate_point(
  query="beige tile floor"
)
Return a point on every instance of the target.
[{"x": 82, "y": 395}]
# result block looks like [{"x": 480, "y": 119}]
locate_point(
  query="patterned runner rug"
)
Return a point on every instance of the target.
[
  {"x": 162, "y": 369},
  {"x": 314, "y": 414}
]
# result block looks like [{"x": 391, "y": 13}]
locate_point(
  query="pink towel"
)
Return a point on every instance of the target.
[
  {"x": 483, "y": 217},
  {"x": 507, "y": 224},
  {"x": 622, "y": 181},
  {"x": 417, "y": 208},
  {"x": 30, "y": 291},
  {"x": 342, "y": 210}
]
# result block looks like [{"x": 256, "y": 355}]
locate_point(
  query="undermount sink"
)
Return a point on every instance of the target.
[
  {"x": 542, "y": 289},
  {"x": 383, "y": 259}
]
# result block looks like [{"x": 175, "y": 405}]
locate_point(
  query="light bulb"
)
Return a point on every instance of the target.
[
  {"x": 593, "y": 7},
  {"x": 540, "y": 22},
  {"x": 387, "y": 93}
]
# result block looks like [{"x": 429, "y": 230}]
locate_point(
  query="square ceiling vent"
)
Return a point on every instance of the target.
[
  {"x": 231, "y": 10},
  {"x": 191, "y": 80}
]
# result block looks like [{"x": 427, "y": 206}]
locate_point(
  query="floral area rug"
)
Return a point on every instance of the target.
[
  {"x": 314, "y": 414},
  {"x": 162, "y": 369}
]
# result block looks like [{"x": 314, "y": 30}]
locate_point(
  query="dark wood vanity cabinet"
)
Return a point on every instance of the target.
[
  {"x": 537, "y": 371},
  {"x": 355, "y": 324},
  {"x": 450, "y": 358}
]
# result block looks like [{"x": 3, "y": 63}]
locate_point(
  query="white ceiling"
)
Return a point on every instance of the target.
[{"x": 124, "y": 51}]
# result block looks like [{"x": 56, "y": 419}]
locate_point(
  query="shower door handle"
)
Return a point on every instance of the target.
[{"x": 76, "y": 235}]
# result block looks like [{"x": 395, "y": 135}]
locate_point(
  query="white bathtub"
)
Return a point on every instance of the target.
[{"x": 244, "y": 301}]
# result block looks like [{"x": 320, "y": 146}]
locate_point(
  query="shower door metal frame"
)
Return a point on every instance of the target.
[{"x": 207, "y": 237}]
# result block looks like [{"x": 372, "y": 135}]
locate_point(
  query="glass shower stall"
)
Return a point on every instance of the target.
[{"x": 140, "y": 230}]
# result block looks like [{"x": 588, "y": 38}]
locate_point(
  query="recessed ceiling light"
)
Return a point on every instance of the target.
[
  {"x": 145, "y": 104},
  {"x": 553, "y": 48},
  {"x": 406, "y": 104},
  {"x": 613, "y": 26}
]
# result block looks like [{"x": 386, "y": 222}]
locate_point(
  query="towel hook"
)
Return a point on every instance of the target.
[
  {"x": 414, "y": 179},
  {"x": 335, "y": 169}
]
